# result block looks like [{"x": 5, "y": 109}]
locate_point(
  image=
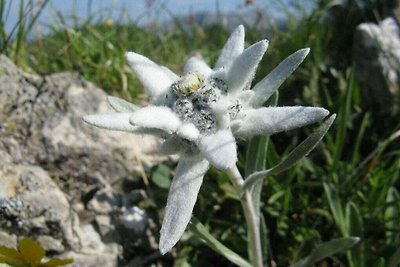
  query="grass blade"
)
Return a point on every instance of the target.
[
  {"x": 360, "y": 136},
  {"x": 392, "y": 215},
  {"x": 336, "y": 207},
  {"x": 343, "y": 116},
  {"x": 355, "y": 228},
  {"x": 326, "y": 250},
  {"x": 395, "y": 259},
  {"x": 198, "y": 229}
]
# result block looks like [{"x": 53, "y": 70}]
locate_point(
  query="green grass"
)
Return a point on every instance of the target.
[{"x": 348, "y": 186}]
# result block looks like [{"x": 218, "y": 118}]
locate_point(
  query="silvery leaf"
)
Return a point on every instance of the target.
[
  {"x": 153, "y": 77},
  {"x": 245, "y": 97},
  {"x": 271, "y": 120},
  {"x": 162, "y": 118},
  {"x": 111, "y": 121},
  {"x": 170, "y": 73},
  {"x": 219, "y": 149},
  {"x": 242, "y": 70},
  {"x": 267, "y": 86},
  {"x": 233, "y": 48},
  {"x": 195, "y": 64},
  {"x": 188, "y": 131},
  {"x": 182, "y": 197}
]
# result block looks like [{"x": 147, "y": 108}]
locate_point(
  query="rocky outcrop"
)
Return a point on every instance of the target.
[
  {"x": 377, "y": 63},
  {"x": 58, "y": 175}
]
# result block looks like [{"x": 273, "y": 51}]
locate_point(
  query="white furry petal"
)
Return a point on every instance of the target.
[
  {"x": 170, "y": 73},
  {"x": 162, "y": 118},
  {"x": 182, "y": 197},
  {"x": 273, "y": 120},
  {"x": 233, "y": 48},
  {"x": 195, "y": 64},
  {"x": 267, "y": 86},
  {"x": 245, "y": 97},
  {"x": 219, "y": 149},
  {"x": 189, "y": 132},
  {"x": 111, "y": 121},
  {"x": 155, "y": 79},
  {"x": 242, "y": 70}
]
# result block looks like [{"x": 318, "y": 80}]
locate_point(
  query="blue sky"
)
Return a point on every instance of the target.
[{"x": 136, "y": 10}]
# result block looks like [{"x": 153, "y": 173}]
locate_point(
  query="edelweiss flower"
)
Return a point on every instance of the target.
[{"x": 200, "y": 113}]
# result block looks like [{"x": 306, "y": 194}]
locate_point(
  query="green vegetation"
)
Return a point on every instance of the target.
[{"x": 348, "y": 186}]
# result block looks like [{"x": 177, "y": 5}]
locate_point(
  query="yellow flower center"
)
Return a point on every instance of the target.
[{"x": 189, "y": 83}]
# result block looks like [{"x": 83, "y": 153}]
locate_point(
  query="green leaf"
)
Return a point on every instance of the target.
[
  {"x": 355, "y": 227},
  {"x": 344, "y": 116},
  {"x": 336, "y": 207},
  {"x": 31, "y": 251},
  {"x": 11, "y": 256},
  {"x": 264, "y": 238},
  {"x": 392, "y": 215},
  {"x": 355, "y": 224},
  {"x": 295, "y": 155},
  {"x": 161, "y": 176},
  {"x": 198, "y": 229},
  {"x": 395, "y": 259},
  {"x": 360, "y": 136},
  {"x": 327, "y": 249}
]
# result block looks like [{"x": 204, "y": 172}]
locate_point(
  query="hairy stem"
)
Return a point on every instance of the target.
[{"x": 252, "y": 220}]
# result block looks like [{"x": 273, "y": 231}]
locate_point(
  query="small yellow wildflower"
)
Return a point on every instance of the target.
[{"x": 29, "y": 254}]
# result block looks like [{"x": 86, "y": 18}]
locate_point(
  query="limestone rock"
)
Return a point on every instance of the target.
[
  {"x": 29, "y": 199},
  {"x": 93, "y": 251},
  {"x": 377, "y": 62},
  {"x": 105, "y": 201},
  {"x": 134, "y": 219},
  {"x": 57, "y": 173},
  {"x": 8, "y": 240}
]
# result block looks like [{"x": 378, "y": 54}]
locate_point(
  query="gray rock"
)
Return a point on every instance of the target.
[
  {"x": 29, "y": 200},
  {"x": 41, "y": 120},
  {"x": 107, "y": 229},
  {"x": 134, "y": 219},
  {"x": 105, "y": 201},
  {"x": 93, "y": 252},
  {"x": 377, "y": 61},
  {"x": 56, "y": 173},
  {"x": 133, "y": 197},
  {"x": 8, "y": 240},
  {"x": 49, "y": 243}
]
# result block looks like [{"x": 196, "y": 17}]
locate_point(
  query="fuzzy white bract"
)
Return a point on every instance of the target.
[{"x": 200, "y": 113}]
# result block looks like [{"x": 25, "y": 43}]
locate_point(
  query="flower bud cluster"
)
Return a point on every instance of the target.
[{"x": 194, "y": 95}]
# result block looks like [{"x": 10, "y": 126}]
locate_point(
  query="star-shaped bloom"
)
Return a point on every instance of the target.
[{"x": 200, "y": 113}]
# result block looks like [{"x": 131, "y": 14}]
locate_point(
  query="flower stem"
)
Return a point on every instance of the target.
[{"x": 252, "y": 220}]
